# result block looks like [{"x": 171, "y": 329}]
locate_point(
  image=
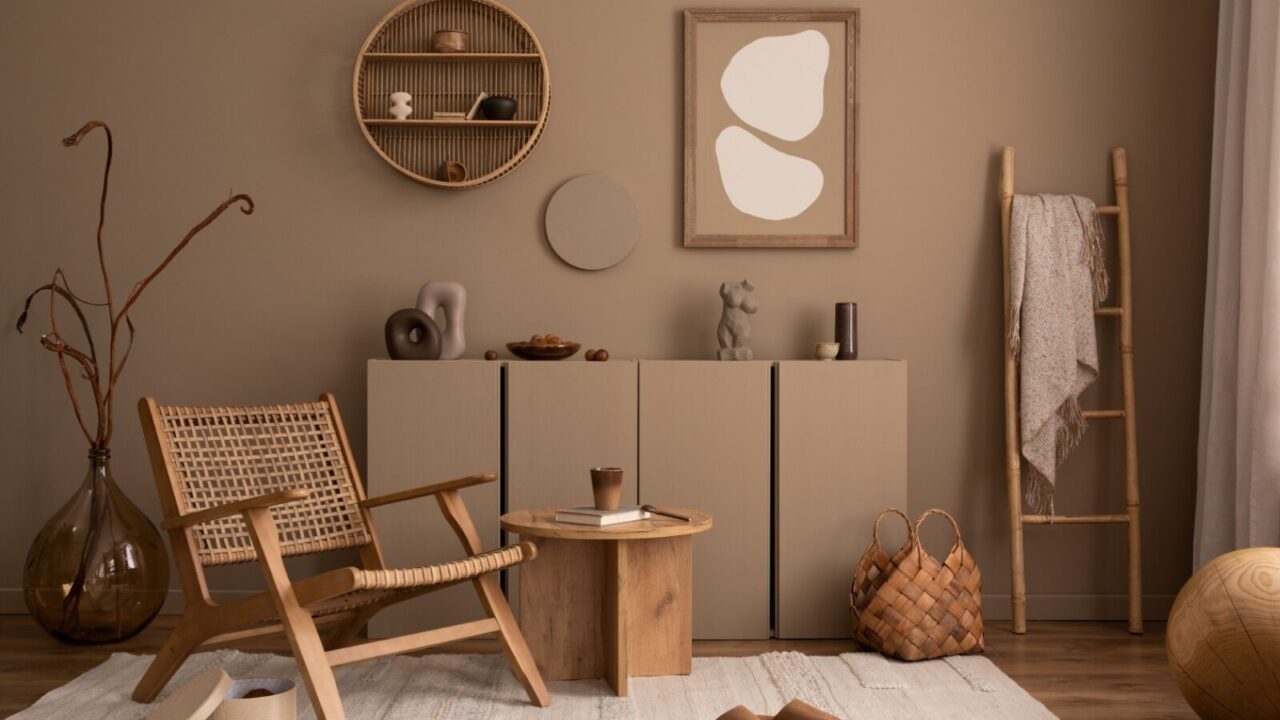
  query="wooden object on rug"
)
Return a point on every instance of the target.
[
  {"x": 264, "y": 483},
  {"x": 1224, "y": 636},
  {"x": 613, "y": 602},
  {"x": 1127, "y": 413}
]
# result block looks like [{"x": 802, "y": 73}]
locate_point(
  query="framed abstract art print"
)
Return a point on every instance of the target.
[{"x": 770, "y": 128}]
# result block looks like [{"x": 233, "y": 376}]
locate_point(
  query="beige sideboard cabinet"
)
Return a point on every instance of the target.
[
  {"x": 705, "y": 443},
  {"x": 793, "y": 459},
  {"x": 429, "y": 422},
  {"x": 841, "y": 455}
]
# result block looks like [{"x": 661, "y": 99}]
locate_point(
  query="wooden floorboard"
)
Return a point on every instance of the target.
[{"x": 1077, "y": 669}]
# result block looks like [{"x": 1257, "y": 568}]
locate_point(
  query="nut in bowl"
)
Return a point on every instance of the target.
[{"x": 543, "y": 347}]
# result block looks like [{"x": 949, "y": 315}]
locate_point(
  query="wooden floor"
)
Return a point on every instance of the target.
[{"x": 1077, "y": 669}]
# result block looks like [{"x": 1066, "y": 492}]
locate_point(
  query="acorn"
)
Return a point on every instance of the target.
[
  {"x": 601, "y": 355},
  {"x": 490, "y": 355},
  {"x": 591, "y": 355}
]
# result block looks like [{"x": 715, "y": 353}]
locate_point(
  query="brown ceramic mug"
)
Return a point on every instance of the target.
[{"x": 606, "y": 486}]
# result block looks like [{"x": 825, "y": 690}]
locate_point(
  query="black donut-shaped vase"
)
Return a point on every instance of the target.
[{"x": 399, "y": 334}]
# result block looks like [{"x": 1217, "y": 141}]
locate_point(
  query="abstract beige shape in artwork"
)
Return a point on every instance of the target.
[
  {"x": 775, "y": 83},
  {"x": 762, "y": 181}
]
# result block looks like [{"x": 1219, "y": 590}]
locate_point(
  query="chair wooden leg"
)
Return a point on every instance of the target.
[
  {"x": 181, "y": 642},
  {"x": 299, "y": 627},
  {"x": 309, "y": 651},
  {"x": 513, "y": 644},
  {"x": 349, "y": 631}
]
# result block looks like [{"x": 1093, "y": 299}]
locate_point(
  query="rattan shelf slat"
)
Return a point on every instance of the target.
[
  {"x": 454, "y": 57},
  {"x": 505, "y": 59},
  {"x": 452, "y": 123}
]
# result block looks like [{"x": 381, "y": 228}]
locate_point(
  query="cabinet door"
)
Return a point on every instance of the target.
[
  {"x": 842, "y": 458},
  {"x": 430, "y": 422},
  {"x": 705, "y": 443},
  {"x": 564, "y": 418}
]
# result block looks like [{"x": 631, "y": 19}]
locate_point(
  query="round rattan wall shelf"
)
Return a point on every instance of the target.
[{"x": 504, "y": 59}]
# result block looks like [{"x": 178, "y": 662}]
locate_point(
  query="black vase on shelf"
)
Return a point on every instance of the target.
[
  {"x": 498, "y": 107},
  {"x": 847, "y": 330}
]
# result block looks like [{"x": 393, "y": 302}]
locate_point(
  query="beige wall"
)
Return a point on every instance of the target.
[{"x": 255, "y": 97}]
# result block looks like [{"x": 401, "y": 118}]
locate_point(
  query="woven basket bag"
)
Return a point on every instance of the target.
[{"x": 910, "y": 606}]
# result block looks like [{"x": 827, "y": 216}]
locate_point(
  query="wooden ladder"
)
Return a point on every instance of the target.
[{"x": 1013, "y": 453}]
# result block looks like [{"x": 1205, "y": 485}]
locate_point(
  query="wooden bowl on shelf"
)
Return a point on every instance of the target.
[
  {"x": 543, "y": 351},
  {"x": 450, "y": 41}
]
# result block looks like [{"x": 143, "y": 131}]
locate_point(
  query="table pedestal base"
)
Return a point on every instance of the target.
[{"x": 609, "y": 608}]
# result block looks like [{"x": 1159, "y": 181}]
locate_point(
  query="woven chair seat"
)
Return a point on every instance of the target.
[
  {"x": 464, "y": 569},
  {"x": 367, "y": 587}
]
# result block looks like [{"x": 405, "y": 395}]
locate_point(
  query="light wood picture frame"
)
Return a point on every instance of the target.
[{"x": 770, "y": 128}]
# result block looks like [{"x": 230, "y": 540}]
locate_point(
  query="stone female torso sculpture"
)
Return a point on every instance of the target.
[{"x": 734, "y": 331}]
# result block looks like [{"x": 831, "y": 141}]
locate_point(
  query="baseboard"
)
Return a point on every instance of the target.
[
  {"x": 11, "y": 602},
  {"x": 994, "y": 606},
  {"x": 1076, "y": 607}
]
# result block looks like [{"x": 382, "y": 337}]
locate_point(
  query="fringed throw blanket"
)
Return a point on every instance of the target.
[{"x": 1057, "y": 278}]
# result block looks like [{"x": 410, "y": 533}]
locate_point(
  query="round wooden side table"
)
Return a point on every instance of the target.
[{"x": 611, "y": 602}]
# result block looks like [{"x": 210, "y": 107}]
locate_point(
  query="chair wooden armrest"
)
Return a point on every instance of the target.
[
  {"x": 456, "y": 484},
  {"x": 235, "y": 508}
]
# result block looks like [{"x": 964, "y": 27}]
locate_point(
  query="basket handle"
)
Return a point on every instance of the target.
[
  {"x": 956, "y": 542},
  {"x": 875, "y": 529}
]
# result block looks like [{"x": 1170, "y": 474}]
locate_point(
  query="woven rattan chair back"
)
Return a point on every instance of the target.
[{"x": 219, "y": 455}]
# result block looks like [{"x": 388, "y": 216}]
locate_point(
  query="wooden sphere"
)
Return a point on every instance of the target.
[{"x": 1224, "y": 636}]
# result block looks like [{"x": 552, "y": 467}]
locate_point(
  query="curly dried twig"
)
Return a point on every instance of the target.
[
  {"x": 74, "y": 300},
  {"x": 54, "y": 342},
  {"x": 137, "y": 289},
  {"x": 103, "y": 383},
  {"x": 72, "y": 141},
  {"x": 136, "y": 292}
]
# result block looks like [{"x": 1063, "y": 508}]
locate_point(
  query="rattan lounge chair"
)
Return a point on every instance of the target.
[{"x": 259, "y": 484}]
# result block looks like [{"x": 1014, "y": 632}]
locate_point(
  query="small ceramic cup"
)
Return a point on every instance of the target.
[
  {"x": 606, "y": 486},
  {"x": 826, "y": 350}
]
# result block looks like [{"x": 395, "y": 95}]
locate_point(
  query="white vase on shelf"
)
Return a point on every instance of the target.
[{"x": 400, "y": 108}]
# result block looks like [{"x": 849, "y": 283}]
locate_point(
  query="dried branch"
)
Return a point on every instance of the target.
[
  {"x": 103, "y": 383},
  {"x": 72, "y": 141},
  {"x": 73, "y": 300},
  {"x": 54, "y": 342},
  {"x": 136, "y": 292},
  {"x": 137, "y": 289}
]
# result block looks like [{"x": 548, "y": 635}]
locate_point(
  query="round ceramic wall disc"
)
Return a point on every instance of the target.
[{"x": 592, "y": 222}]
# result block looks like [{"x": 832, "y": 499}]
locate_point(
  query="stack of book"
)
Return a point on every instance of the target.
[{"x": 590, "y": 516}]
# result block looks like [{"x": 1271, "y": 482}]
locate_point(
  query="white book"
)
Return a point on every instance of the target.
[{"x": 590, "y": 516}]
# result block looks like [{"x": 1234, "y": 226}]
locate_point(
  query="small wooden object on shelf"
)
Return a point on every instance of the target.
[
  {"x": 450, "y": 41},
  {"x": 453, "y": 172},
  {"x": 507, "y": 60}
]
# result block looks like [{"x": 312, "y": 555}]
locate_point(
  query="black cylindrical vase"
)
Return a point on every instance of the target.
[{"x": 847, "y": 330}]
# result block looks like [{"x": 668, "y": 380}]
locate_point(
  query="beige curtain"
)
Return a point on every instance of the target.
[{"x": 1238, "y": 502}]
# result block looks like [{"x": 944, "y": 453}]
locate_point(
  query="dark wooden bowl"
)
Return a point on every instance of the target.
[{"x": 530, "y": 351}]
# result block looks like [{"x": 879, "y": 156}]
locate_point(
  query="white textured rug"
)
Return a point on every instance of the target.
[{"x": 465, "y": 687}]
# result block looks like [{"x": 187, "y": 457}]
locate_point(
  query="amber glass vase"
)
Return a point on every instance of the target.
[{"x": 97, "y": 572}]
